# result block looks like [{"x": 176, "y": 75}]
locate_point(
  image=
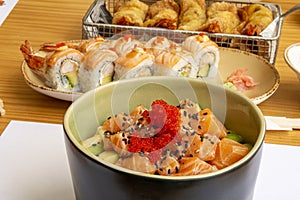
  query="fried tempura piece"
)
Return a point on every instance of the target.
[
  {"x": 163, "y": 14},
  {"x": 255, "y": 17},
  {"x": 192, "y": 15},
  {"x": 131, "y": 13},
  {"x": 222, "y": 17}
]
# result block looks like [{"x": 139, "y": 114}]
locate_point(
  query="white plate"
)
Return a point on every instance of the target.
[
  {"x": 292, "y": 57},
  {"x": 263, "y": 72},
  {"x": 38, "y": 84},
  {"x": 230, "y": 60}
]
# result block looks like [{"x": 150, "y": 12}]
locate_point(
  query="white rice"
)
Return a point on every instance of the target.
[
  {"x": 96, "y": 66},
  {"x": 55, "y": 79},
  {"x": 145, "y": 68},
  {"x": 205, "y": 53}
]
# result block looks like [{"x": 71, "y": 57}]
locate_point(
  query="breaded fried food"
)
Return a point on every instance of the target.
[
  {"x": 222, "y": 17},
  {"x": 256, "y": 18},
  {"x": 131, "y": 13},
  {"x": 192, "y": 15},
  {"x": 163, "y": 14}
]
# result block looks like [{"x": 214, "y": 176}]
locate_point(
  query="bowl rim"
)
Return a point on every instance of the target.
[
  {"x": 287, "y": 58},
  {"x": 258, "y": 144}
]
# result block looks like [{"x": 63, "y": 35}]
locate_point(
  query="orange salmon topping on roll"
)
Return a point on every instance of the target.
[{"x": 133, "y": 58}]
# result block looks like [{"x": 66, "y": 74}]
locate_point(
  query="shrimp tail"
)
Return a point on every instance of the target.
[{"x": 35, "y": 62}]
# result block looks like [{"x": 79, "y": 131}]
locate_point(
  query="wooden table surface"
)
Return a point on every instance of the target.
[{"x": 48, "y": 21}]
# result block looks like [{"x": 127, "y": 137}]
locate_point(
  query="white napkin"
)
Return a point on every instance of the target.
[
  {"x": 34, "y": 166},
  {"x": 33, "y": 163},
  {"x": 282, "y": 123},
  {"x": 6, "y": 8}
]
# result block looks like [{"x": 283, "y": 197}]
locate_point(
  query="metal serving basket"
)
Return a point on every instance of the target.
[{"x": 97, "y": 22}]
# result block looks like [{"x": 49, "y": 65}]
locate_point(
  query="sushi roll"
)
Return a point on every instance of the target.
[
  {"x": 172, "y": 63},
  {"x": 97, "y": 68},
  {"x": 158, "y": 44},
  {"x": 97, "y": 42},
  {"x": 61, "y": 69},
  {"x": 137, "y": 63},
  {"x": 205, "y": 53},
  {"x": 125, "y": 44}
]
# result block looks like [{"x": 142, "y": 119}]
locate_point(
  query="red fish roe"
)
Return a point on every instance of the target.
[{"x": 165, "y": 119}]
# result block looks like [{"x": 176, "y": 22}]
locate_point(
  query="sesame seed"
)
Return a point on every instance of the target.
[
  {"x": 176, "y": 152},
  {"x": 195, "y": 116},
  {"x": 107, "y": 133}
]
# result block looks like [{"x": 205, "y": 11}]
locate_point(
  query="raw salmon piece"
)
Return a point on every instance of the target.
[
  {"x": 137, "y": 162},
  {"x": 194, "y": 166},
  {"x": 136, "y": 114},
  {"x": 193, "y": 146},
  {"x": 229, "y": 152},
  {"x": 203, "y": 147},
  {"x": 117, "y": 123},
  {"x": 209, "y": 124},
  {"x": 189, "y": 113},
  {"x": 168, "y": 165},
  {"x": 119, "y": 142}
]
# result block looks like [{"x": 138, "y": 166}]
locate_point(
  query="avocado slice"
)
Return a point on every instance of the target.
[
  {"x": 72, "y": 78},
  {"x": 109, "y": 156},
  {"x": 230, "y": 85},
  {"x": 94, "y": 144},
  {"x": 106, "y": 79},
  {"x": 204, "y": 70}
]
